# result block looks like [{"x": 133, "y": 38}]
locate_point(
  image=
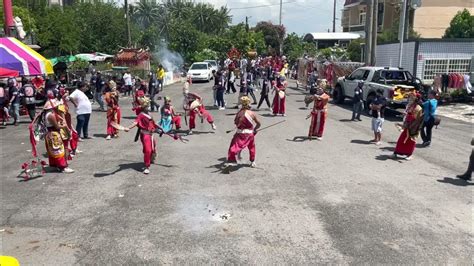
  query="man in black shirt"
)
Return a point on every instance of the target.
[
  {"x": 358, "y": 102},
  {"x": 14, "y": 103},
  {"x": 377, "y": 108},
  {"x": 99, "y": 88}
]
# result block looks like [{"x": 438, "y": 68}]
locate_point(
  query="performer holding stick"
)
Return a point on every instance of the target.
[
  {"x": 247, "y": 125},
  {"x": 318, "y": 115},
  {"x": 193, "y": 105}
]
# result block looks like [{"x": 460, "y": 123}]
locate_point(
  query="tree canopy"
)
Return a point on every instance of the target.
[{"x": 461, "y": 26}]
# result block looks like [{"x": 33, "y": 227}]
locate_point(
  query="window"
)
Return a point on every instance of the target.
[
  {"x": 393, "y": 75},
  {"x": 359, "y": 74},
  {"x": 432, "y": 67},
  {"x": 199, "y": 66},
  {"x": 362, "y": 17}
]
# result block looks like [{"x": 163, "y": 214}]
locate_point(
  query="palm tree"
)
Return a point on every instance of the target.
[{"x": 146, "y": 13}]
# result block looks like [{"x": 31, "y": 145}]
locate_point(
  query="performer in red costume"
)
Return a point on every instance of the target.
[
  {"x": 53, "y": 123},
  {"x": 70, "y": 139},
  {"x": 136, "y": 100},
  {"x": 146, "y": 126},
  {"x": 113, "y": 113},
  {"x": 279, "y": 101},
  {"x": 193, "y": 104},
  {"x": 247, "y": 125},
  {"x": 318, "y": 115}
]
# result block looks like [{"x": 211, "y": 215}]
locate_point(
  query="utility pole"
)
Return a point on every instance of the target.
[
  {"x": 246, "y": 24},
  {"x": 281, "y": 40},
  {"x": 281, "y": 8},
  {"x": 368, "y": 33},
  {"x": 375, "y": 29},
  {"x": 334, "y": 17},
  {"x": 129, "y": 37},
  {"x": 401, "y": 30}
]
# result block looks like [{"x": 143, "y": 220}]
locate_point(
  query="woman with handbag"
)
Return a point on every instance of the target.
[{"x": 429, "y": 118}]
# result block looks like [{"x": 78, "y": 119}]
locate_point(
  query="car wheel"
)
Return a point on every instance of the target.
[{"x": 338, "y": 95}]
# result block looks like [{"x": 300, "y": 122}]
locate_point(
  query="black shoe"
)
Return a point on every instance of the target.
[
  {"x": 353, "y": 119},
  {"x": 426, "y": 144},
  {"x": 464, "y": 177},
  {"x": 359, "y": 119}
]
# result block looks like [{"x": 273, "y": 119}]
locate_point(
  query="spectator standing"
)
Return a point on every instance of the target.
[
  {"x": 99, "y": 87},
  {"x": 470, "y": 168},
  {"x": 3, "y": 103},
  {"x": 83, "y": 110},
  {"x": 378, "y": 113},
  {"x": 28, "y": 93},
  {"x": 127, "y": 79},
  {"x": 358, "y": 101},
  {"x": 429, "y": 112},
  {"x": 160, "y": 76},
  {"x": 14, "y": 103}
]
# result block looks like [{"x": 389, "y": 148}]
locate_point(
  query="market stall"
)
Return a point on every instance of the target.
[{"x": 17, "y": 56}]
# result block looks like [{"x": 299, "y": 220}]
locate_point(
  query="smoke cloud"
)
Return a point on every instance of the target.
[{"x": 171, "y": 61}]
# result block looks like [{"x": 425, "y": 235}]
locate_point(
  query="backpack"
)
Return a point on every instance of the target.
[{"x": 29, "y": 94}]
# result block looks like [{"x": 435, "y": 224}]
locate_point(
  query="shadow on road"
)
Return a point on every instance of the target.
[
  {"x": 137, "y": 166},
  {"x": 385, "y": 157},
  {"x": 455, "y": 181},
  {"x": 223, "y": 169},
  {"x": 387, "y": 148},
  {"x": 358, "y": 141},
  {"x": 299, "y": 139},
  {"x": 100, "y": 135}
]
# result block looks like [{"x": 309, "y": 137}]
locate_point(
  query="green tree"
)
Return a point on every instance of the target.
[
  {"x": 58, "y": 34},
  {"x": 354, "y": 50},
  {"x": 273, "y": 34},
  {"x": 461, "y": 26},
  {"x": 205, "y": 55},
  {"x": 391, "y": 34},
  {"x": 293, "y": 47},
  {"x": 146, "y": 13}
]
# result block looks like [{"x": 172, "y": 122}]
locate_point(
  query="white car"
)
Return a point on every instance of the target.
[
  {"x": 200, "y": 71},
  {"x": 214, "y": 65}
]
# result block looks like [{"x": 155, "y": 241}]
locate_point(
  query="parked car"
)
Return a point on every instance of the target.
[
  {"x": 214, "y": 64},
  {"x": 200, "y": 71},
  {"x": 396, "y": 84}
]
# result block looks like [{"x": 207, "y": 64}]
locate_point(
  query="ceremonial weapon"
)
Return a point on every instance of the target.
[{"x": 263, "y": 128}]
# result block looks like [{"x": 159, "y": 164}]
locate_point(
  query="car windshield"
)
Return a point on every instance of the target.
[
  {"x": 393, "y": 75},
  {"x": 198, "y": 66}
]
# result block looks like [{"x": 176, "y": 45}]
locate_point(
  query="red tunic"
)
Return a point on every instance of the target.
[
  {"x": 244, "y": 137},
  {"x": 147, "y": 126},
  {"x": 318, "y": 116}
]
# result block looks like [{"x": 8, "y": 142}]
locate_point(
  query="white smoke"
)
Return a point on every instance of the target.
[{"x": 171, "y": 61}]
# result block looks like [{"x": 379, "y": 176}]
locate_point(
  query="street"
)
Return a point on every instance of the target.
[{"x": 340, "y": 200}]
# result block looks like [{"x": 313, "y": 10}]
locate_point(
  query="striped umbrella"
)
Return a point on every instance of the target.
[{"x": 18, "y": 56}]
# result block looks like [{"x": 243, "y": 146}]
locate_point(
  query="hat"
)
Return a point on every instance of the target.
[
  {"x": 167, "y": 99},
  {"x": 144, "y": 102},
  {"x": 51, "y": 104},
  {"x": 245, "y": 101}
]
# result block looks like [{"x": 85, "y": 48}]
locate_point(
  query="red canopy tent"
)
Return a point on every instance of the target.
[{"x": 8, "y": 73}]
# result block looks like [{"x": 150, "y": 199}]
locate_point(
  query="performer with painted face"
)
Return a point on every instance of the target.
[
  {"x": 113, "y": 112},
  {"x": 48, "y": 125},
  {"x": 169, "y": 116},
  {"x": 69, "y": 134},
  {"x": 279, "y": 101},
  {"x": 146, "y": 127},
  {"x": 318, "y": 115},
  {"x": 411, "y": 127},
  {"x": 194, "y": 105},
  {"x": 247, "y": 125}
]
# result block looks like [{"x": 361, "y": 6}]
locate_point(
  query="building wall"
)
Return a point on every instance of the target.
[
  {"x": 443, "y": 57},
  {"x": 433, "y": 17},
  {"x": 387, "y": 55}
]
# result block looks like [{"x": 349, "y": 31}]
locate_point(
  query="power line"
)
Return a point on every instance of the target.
[{"x": 250, "y": 7}]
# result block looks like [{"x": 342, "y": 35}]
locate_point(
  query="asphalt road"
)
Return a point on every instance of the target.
[{"x": 340, "y": 200}]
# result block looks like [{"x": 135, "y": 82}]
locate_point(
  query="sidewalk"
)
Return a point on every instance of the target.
[{"x": 458, "y": 111}]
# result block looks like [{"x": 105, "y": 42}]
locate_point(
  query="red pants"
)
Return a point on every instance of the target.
[
  {"x": 405, "y": 145},
  {"x": 74, "y": 140},
  {"x": 149, "y": 148},
  {"x": 177, "y": 121},
  {"x": 318, "y": 119},
  {"x": 279, "y": 105},
  {"x": 240, "y": 142},
  {"x": 113, "y": 117},
  {"x": 203, "y": 112}
]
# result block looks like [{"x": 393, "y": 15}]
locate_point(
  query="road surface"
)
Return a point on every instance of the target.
[{"x": 340, "y": 200}]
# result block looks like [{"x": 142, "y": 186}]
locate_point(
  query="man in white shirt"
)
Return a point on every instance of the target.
[
  {"x": 83, "y": 110},
  {"x": 127, "y": 79}
]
